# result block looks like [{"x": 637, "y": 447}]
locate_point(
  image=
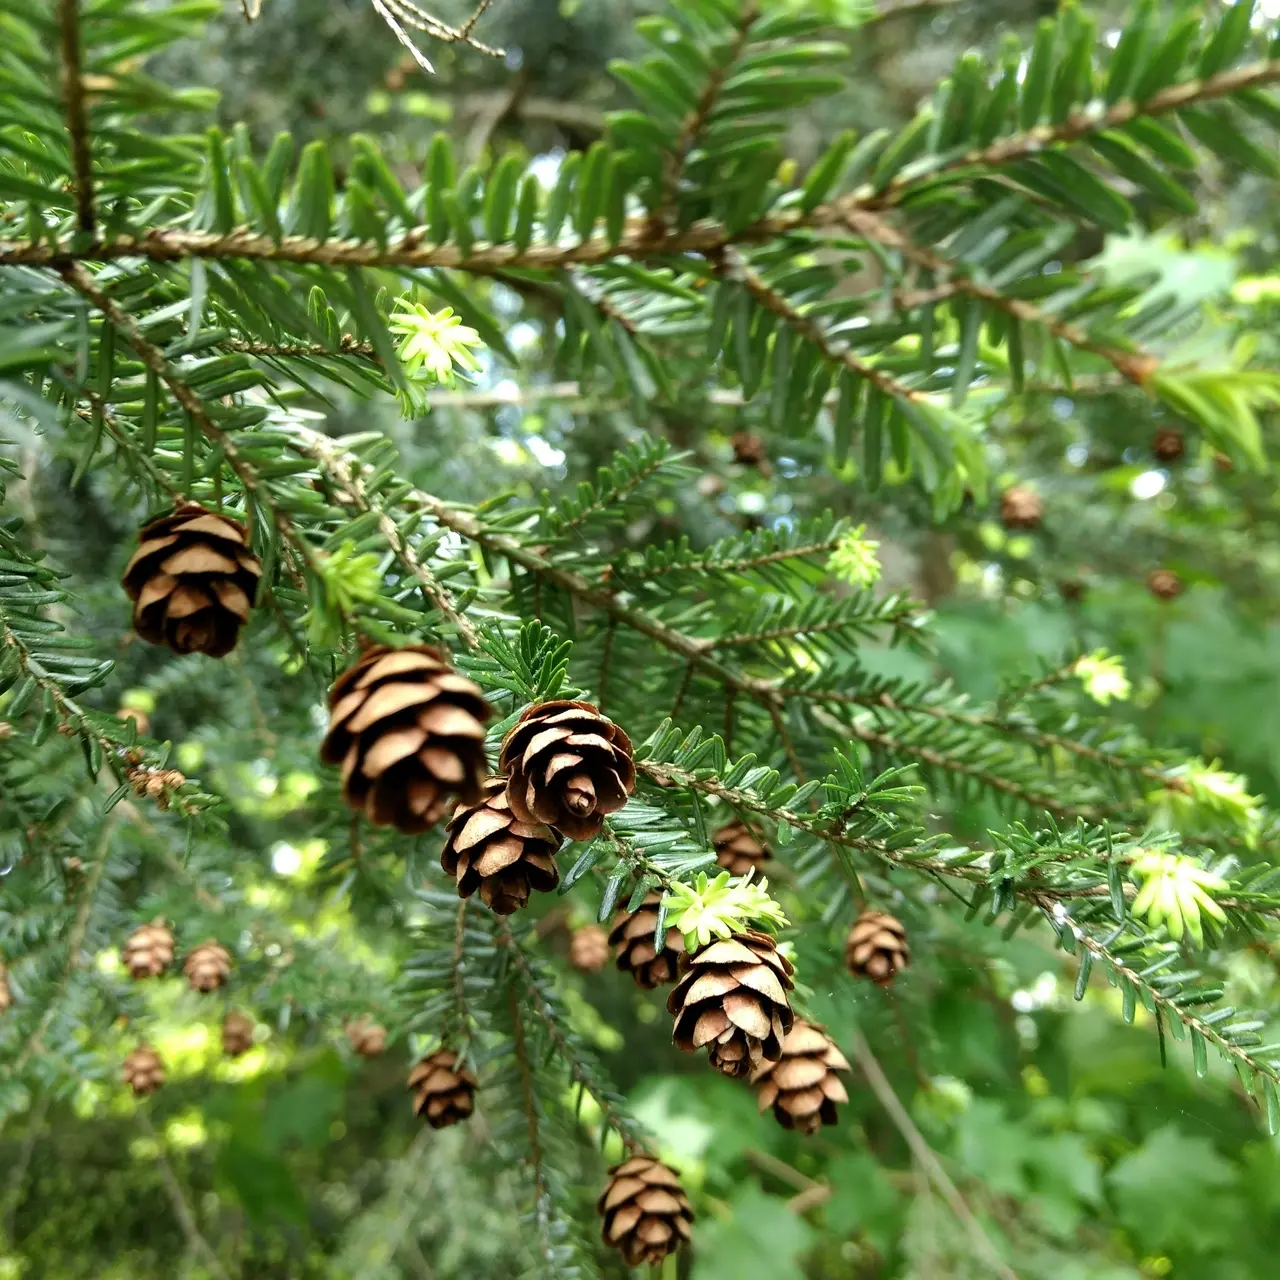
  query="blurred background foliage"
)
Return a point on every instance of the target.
[{"x": 1067, "y": 1139}]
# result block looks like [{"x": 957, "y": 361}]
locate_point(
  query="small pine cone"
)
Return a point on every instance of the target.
[
  {"x": 442, "y": 1095},
  {"x": 237, "y": 1034},
  {"x": 738, "y": 850},
  {"x": 366, "y": 1037},
  {"x": 207, "y": 966},
  {"x": 750, "y": 450},
  {"x": 490, "y": 849},
  {"x": 1021, "y": 508},
  {"x": 645, "y": 1210},
  {"x": 802, "y": 1087},
  {"x": 1164, "y": 584},
  {"x": 6, "y": 994},
  {"x": 876, "y": 947},
  {"x": 143, "y": 1071},
  {"x": 408, "y": 732},
  {"x": 589, "y": 949},
  {"x": 141, "y": 721},
  {"x": 149, "y": 951},
  {"x": 568, "y": 766},
  {"x": 1168, "y": 444},
  {"x": 193, "y": 581},
  {"x": 633, "y": 936},
  {"x": 732, "y": 997}
]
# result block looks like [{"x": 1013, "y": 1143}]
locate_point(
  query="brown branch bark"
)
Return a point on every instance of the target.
[{"x": 77, "y": 114}]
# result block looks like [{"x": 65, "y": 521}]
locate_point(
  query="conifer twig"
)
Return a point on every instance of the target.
[
  {"x": 541, "y": 1195},
  {"x": 638, "y": 241},
  {"x": 155, "y": 360},
  {"x": 924, "y": 1153},
  {"x": 178, "y": 1199},
  {"x": 77, "y": 114}
]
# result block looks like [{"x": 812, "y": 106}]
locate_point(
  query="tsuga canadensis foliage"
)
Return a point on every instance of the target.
[{"x": 258, "y": 669}]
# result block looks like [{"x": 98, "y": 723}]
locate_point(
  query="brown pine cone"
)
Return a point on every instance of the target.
[
  {"x": 589, "y": 949},
  {"x": 192, "y": 581},
  {"x": 149, "y": 950},
  {"x": 645, "y": 1210},
  {"x": 1164, "y": 584},
  {"x": 633, "y": 935},
  {"x": 366, "y": 1037},
  {"x": 750, "y": 450},
  {"x": 490, "y": 849},
  {"x": 1168, "y": 444},
  {"x": 442, "y": 1095},
  {"x": 876, "y": 947},
  {"x": 802, "y": 1087},
  {"x": 143, "y": 1071},
  {"x": 408, "y": 731},
  {"x": 237, "y": 1034},
  {"x": 141, "y": 721},
  {"x": 6, "y": 994},
  {"x": 1021, "y": 508},
  {"x": 207, "y": 966},
  {"x": 738, "y": 850},
  {"x": 568, "y": 766},
  {"x": 732, "y": 997}
]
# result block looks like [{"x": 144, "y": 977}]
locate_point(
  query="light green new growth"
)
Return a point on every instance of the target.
[
  {"x": 348, "y": 579},
  {"x": 1175, "y": 891},
  {"x": 721, "y": 907},
  {"x": 854, "y": 559},
  {"x": 1199, "y": 794},
  {"x": 435, "y": 346},
  {"x": 1103, "y": 676}
]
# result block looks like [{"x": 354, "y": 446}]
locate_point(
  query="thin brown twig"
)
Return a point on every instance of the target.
[
  {"x": 736, "y": 269},
  {"x": 924, "y": 1153},
  {"x": 1135, "y": 366},
  {"x": 616, "y": 1120},
  {"x": 77, "y": 115},
  {"x": 530, "y": 1100},
  {"x": 693, "y": 125},
  {"x": 638, "y": 241},
  {"x": 154, "y": 359},
  {"x": 347, "y": 475},
  {"x": 177, "y": 1198},
  {"x": 75, "y": 941}
]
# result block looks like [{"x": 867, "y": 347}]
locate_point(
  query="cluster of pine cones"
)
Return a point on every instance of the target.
[
  {"x": 148, "y": 953},
  {"x": 408, "y": 732}
]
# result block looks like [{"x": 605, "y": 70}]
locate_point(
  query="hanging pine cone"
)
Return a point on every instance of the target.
[
  {"x": 366, "y": 1037},
  {"x": 193, "y": 581},
  {"x": 633, "y": 936},
  {"x": 141, "y": 721},
  {"x": 1021, "y": 508},
  {"x": 149, "y": 950},
  {"x": 732, "y": 997},
  {"x": 645, "y": 1210},
  {"x": 589, "y": 949},
  {"x": 6, "y": 993},
  {"x": 143, "y": 1071},
  {"x": 442, "y": 1095},
  {"x": 876, "y": 947},
  {"x": 568, "y": 766},
  {"x": 750, "y": 450},
  {"x": 1168, "y": 444},
  {"x": 1164, "y": 584},
  {"x": 738, "y": 850},
  {"x": 802, "y": 1087},
  {"x": 237, "y": 1034},
  {"x": 207, "y": 966},
  {"x": 408, "y": 731},
  {"x": 490, "y": 849}
]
